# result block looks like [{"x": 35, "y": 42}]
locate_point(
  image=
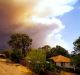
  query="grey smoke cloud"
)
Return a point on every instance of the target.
[
  {"x": 38, "y": 33},
  {"x": 9, "y": 24},
  {"x": 14, "y": 12}
]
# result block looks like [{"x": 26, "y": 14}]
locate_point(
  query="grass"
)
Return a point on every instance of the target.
[{"x": 13, "y": 69}]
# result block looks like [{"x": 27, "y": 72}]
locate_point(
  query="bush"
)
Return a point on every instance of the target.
[
  {"x": 77, "y": 70},
  {"x": 16, "y": 56},
  {"x": 7, "y": 53},
  {"x": 36, "y": 60},
  {"x": 50, "y": 66}
]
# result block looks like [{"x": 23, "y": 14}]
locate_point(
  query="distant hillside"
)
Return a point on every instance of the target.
[{"x": 13, "y": 69}]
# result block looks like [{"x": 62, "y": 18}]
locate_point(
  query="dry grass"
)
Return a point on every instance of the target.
[
  {"x": 24, "y": 70},
  {"x": 3, "y": 60},
  {"x": 13, "y": 69}
]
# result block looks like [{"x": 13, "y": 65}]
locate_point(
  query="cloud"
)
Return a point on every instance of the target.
[
  {"x": 37, "y": 18},
  {"x": 57, "y": 40},
  {"x": 52, "y": 7}
]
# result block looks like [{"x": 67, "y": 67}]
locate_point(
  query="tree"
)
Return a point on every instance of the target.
[
  {"x": 46, "y": 48},
  {"x": 76, "y": 54},
  {"x": 77, "y": 60},
  {"x": 50, "y": 53},
  {"x": 20, "y": 41},
  {"x": 77, "y": 46},
  {"x": 58, "y": 50},
  {"x": 61, "y": 51}
]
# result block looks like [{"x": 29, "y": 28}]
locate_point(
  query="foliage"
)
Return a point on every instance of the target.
[
  {"x": 36, "y": 55},
  {"x": 36, "y": 60},
  {"x": 46, "y": 48},
  {"x": 76, "y": 60},
  {"x": 13, "y": 55},
  {"x": 20, "y": 41},
  {"x": 76, "y": 54},
  {"x": 58, "y": 50},
  {"x": 16, "y": 56},
  {"x": 50, "y": 66},
  {"x": 77, "y": 45},
  {"x": 7, "y": 53}
]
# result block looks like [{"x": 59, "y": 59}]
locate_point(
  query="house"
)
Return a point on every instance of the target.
[{"x": 62, "y": 61}]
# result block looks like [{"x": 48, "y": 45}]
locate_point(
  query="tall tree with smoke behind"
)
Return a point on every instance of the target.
[{"x": 20, "y": 41}]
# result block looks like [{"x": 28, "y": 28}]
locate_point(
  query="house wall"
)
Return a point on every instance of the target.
[
  {"x": 58, "y": 64},
  {"x": 66, "y": 65}
]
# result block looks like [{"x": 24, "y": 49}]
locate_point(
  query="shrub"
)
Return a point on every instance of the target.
[
  {"x": 7, "y": 53},
  {"x": 36, "y": 60},
  {"x": 50, "y": 66},
  {"x": 16, "y": 56}
]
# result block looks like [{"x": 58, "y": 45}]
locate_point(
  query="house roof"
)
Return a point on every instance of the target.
[{"x": 60, "y": 58}]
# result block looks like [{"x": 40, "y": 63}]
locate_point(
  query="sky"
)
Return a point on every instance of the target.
[{"x": 47, "y": 22}]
